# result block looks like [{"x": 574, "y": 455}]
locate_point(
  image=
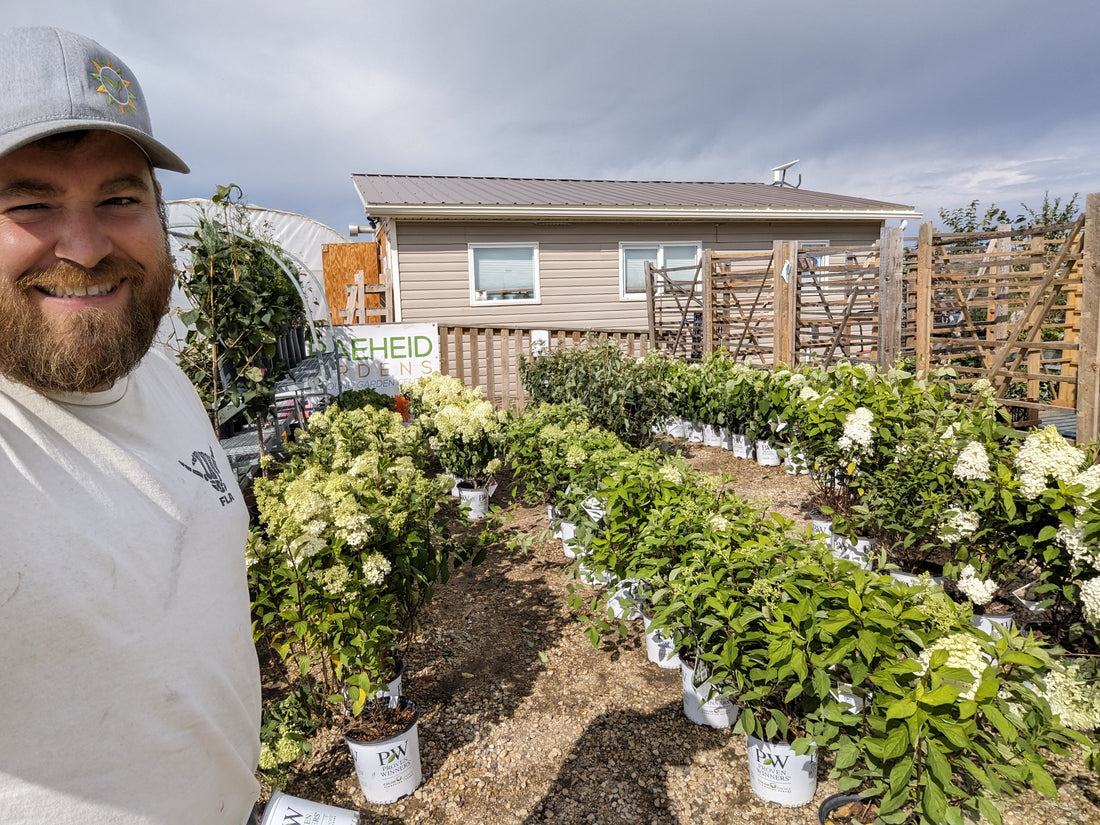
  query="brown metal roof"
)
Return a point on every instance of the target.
[{"x": 432, "y": 195}]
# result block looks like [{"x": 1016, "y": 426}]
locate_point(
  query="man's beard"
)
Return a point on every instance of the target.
[{"x": 94, "y": 347}]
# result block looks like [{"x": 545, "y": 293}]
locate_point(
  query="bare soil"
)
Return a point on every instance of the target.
[{"x": 524, "y": 721}]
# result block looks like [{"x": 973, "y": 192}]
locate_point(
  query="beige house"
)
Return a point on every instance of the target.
[{"x": 571, "y": 253}]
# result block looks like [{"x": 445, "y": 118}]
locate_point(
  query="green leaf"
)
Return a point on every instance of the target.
[
  {"x": 937, "y": 763},
  {"x": 901, "y": 710},
  {"x": 897, "y": 742},
  {"x": 1004, "y": 727},
  {"x": 1042, "y": 781},
  {"x": 989, "y": 810}
]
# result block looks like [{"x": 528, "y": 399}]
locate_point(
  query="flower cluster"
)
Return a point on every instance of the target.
[
  {"x": 972, "y": 463},
  {"x": 1046, "y": 454},
  {"x": 957, "y": 524},
  {"x": 979, "y": 591},
  {"x": 1084, "y": 555},
  {"x": 1075, "y": 699},
  {"x": 465, "y": 431},
  {"x": 859, "y": 434},
  {"x": 375, "y": 569},
  {"x": 1090, "y": 600},
  {"x": 964, "y": 652}
]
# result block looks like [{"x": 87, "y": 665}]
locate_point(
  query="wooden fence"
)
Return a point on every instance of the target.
[
  {"x": 1016, "y": 307},
  {"x": 489, "y": 356}
]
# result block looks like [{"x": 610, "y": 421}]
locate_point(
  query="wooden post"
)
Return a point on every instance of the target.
[
  {"x": 924, "y": 300},
  {"x": 708, "y": 302},
  {"x": 780, "y": 280},
  {"x": 650, "y": 298},
  {"x": 890, "y": 289},
  {"x": 1088, "y": 375}
]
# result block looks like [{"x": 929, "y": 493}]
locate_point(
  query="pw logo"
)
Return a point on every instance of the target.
[
  {"x": 392, "y": 755},
  {"x": 772, "y": 758},
  {"x": 205, "y": 467}
]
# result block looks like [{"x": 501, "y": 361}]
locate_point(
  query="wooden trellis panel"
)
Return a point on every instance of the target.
[{"x": 1004, "y": 306}]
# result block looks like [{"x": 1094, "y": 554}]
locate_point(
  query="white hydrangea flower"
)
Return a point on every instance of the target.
[
  {"x": 719, "y": 524},
  {"x": 979, "y": 591},
  {"x": 1046, "y": 454},
  {"x": 1073, "y": 540},
  {"x": 1089, "y": 479},
  {"x": 375, "y": 569},
  {"x": 1074, "y": 700},
  {"x": 1090, "y": 600},
  {"x": 972, "y": 463},
  {"x": 334, "y": 579},
  {"x": 808, "y": 394},
  {"x": 963, "y": 651},
  {"x": 858, "y": 434},
  {"x": 671, "y": 474},
  {"x": 956, "y": 524}
]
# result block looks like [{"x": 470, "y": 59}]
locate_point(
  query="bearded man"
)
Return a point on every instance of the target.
[{"x": 129, "y": 686}]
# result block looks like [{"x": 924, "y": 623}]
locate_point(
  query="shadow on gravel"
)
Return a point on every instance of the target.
[
  {"x": 618, "y": 770},
  {"x": 479, "y": 657}
]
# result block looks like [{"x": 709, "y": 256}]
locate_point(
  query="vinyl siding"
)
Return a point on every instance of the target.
[{"x": 578, "y": 266}]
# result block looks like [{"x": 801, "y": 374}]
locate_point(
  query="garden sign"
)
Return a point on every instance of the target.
[{"x": 382, "y": 357}]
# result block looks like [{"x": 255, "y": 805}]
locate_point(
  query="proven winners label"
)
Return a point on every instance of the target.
[{"x": 382, "y": 357}]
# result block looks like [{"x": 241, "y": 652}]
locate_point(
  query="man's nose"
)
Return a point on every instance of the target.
[{"x": 82, "y": 239}]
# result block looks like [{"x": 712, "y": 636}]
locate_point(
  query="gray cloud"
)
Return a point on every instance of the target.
[{"x": 931, "y": 106}]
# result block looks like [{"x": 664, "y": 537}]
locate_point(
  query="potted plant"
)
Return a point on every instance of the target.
[
  {"x": 351, "y": 540},
  {"x": 621, "y": 394},
  {"x": 948, "y": 733},
  {"x": 465, "y": 433}
]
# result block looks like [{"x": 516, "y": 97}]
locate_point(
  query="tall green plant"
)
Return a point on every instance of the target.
[
  {"x": 241, "y": 302},
  {"x": 619, "y": 393}
]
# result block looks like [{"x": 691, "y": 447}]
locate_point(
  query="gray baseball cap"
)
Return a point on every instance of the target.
[{"x": 57, "y": 81}]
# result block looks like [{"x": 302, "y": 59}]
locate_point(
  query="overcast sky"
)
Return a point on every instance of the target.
[{"x": 929, "y": 104}]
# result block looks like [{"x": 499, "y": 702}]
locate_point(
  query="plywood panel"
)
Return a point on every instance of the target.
[{"x": 340, "y": 262}]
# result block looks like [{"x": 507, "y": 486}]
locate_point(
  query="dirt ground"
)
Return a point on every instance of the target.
[{"x": 524, "y": 721}]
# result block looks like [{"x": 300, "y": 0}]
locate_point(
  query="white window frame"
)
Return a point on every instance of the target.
[
  {"x": 475, "y": 301},
  {"x": 625, "y": 245}
]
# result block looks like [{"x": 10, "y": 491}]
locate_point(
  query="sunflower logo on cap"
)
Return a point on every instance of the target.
[{"x": 114, "y": 85}]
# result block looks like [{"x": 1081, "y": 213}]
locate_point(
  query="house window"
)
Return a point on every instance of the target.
[
  {"x": 633, "y": 257},
  {"x": 504, "y": 272}
]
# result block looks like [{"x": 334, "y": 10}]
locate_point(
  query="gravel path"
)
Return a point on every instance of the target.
[{"x": 580, "y": 735}]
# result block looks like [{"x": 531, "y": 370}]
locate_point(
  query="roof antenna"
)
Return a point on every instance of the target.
[{"x": 779, "y": 175}]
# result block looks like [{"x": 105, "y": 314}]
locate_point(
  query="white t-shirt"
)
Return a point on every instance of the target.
[{"x": 129, "y": 685}]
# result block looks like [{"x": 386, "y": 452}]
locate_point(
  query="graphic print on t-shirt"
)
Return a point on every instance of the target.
[{"x": 208, "y": 470}]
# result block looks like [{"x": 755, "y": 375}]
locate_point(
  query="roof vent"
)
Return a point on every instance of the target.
[{"x": 779, "y": 175}]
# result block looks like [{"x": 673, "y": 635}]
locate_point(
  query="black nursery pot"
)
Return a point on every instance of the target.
[{"x": 831, "y": 803}]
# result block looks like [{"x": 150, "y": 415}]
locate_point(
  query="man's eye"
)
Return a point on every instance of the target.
[{"x": 121, "y": 200}]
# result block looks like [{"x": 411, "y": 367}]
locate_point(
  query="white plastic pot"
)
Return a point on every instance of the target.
[
  {"x": 777, "y": 774},
  {"x": 283, "y": 809},
  {"x": 741, "y": 446},
  {"x": 993, "y": 623},
  {"x": 858, "y": 552},
  {"x": 568, "y": 535},
  {"x": 767, "y": 455},
  {"x": 660, "y": 648},
  {"x": 703, "y": 703},
  {"x": 712, "y": 436},
  {"x": 622, "y": 601},
  {"x": 476, "y": 498},
  {"x": 389, "y": 769}
]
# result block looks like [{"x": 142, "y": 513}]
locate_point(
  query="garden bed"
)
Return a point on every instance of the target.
[{"x": 524, "y": 721}]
